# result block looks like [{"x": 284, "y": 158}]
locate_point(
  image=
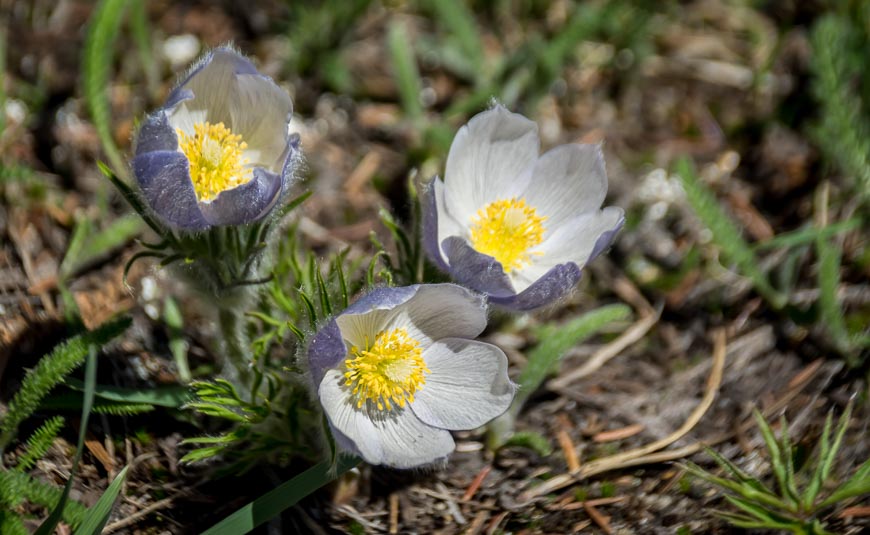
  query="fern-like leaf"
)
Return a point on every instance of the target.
[
  {"x": 50, "y": 371},
  {"x": 38, "y": 443}
]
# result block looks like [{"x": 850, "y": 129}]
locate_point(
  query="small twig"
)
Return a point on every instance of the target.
[
  {"x": 614, "y": 348},
  {"x": 476, "y": 483},
  {"x": 643, "y": 454},
  {"x": 394, "y": 512},
  {"x": 138, "y": 515}
]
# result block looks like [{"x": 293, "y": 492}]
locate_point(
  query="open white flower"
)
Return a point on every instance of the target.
[
  {"x": 398, "y": 369},
  {"x": 514, "y": 224}
]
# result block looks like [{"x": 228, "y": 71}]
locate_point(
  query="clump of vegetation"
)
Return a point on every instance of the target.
[{"x": 802, "y": 498}]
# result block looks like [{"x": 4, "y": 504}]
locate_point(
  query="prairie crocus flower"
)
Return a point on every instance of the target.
[
  {"x": 511, "y": 223},
  {"x": 398, "y": 369},
  {"x": 218, "y": 152}
]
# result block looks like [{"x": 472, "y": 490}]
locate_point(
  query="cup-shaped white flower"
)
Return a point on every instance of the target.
[
  {"x": 399, "y": 368},
  {"x": 219, "y": 151},
  {"x": 514, "y": 224}
]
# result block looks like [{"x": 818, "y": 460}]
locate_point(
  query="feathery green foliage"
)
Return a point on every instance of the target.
[
  {"x": 726, "y": 234},
  {"x": 97, "y": 61},
  {"x": 840, "y": 43},
  {"x": 51, "y": 370},
  {"x": 16, "y": 487},
  {"x": 555, "y": 341},
  {"x": 38, "y": 443},
  {"x": 797, "y": 504}
]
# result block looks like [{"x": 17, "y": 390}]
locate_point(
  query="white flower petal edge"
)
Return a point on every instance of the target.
[
  {"x": 491, "y": 157},
  {"x": 467, "y": 387},
  {"x": 398, "y": 439}
]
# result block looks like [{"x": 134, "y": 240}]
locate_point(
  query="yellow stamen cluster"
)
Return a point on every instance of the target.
[
  {"x": 215, "y": 156},
  {"x": 387, "y": 372},
  {"x": 506, "y": 230}
]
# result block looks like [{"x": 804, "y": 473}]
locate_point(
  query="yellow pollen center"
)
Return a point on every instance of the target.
[
  {"x": 215, "y": 156},
  {"x": 506, "y": 230},
  {"x": 387, "y": 372}
]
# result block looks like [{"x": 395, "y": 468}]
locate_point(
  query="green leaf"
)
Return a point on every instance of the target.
[
  {"x": 97, "y": 516},
  {"x": 51, "y": 370},
  {"x": 829, "y": 305},
  {"x": 277, "y": 500},
  {"x": 530, "y": 440},
  {"x": 87, "y": 246},
  {"x": 777, "y": 461},
  {"x": 172, "y": 396},
  {"x": 726, "y": 234},
  {"x": 405, "y": 71},
  {"x": 556, "y": 340},
  {"x": 47, "y": 527},
  {"x": 39, "y": 443},
  {"x": 857, "y": 485},
  {"x": 97, "y": 62}
]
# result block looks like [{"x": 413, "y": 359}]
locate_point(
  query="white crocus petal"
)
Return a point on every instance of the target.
[
  {"x": 439, "y": 311},
  {"x": 568, "y": 180},
  {"x": 490, "y": 158},
  {"x": 467, "y": 385},
  {"x": 573, "y": 241},
  {"x": 395, "y": 438},
  {"x": 361, "y": 329},
  {"x": 183, "y": 118},
  {"x": 259, "y": 111}
]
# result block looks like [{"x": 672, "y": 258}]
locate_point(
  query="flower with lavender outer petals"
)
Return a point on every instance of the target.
[
  {"x": 511, "y": 223},
  {"x": 399, "y": 368},
  {"x": 218, "y": 152}
]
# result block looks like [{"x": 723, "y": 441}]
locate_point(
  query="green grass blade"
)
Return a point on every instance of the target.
[
  {"x": 777, "y": 461},
  {"x": 827, "y": 461},
  {"x": 277, "y": 500},
  {"x": 806, "y": 236},
  {"x": 726, "y": 235},
  {"x": 816, "y": 480},
  {"x": 172, "y": 396},
  {"x": 857, "y": 485},
  {"x": 456, "y": 16},
  {"x": 97, "y": 61},
  {"x": 47, "y": 527},
  {"x": 829, "y": 305},
  {"x": 405, "y": 70},
  {"x": 86, "y": 247},
  {"x": 97, "y": 516}
]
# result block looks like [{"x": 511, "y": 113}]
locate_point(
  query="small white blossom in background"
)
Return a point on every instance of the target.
[
  {"x": 659, "y": 191},
  {"x": 399, "y": 369}
]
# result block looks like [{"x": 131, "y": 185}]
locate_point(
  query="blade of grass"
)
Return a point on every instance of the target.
[
  {"x": 405, "y": 70},
  {"x": 97, "y": 61},
  {"x": 47, "y": 527},
  {"x": 277, "y": 500},
  {"x": 97, "y": 516}
]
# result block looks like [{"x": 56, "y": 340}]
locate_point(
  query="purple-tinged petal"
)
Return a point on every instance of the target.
[
  {"x": 475, "y": 270},
  {"x": 156, "y": 134},
  {"x": 234, "y": 62},
  {"x": 326, "y": 351},
  {"x": 604, "y": 241},
  {"x": 164, "y": 177},
  {"x": 244, "y": 204},
  {"x": 382, "y": 299},
  {"x": 552, "y": 286},
  {"x": 430, "y": 225}
]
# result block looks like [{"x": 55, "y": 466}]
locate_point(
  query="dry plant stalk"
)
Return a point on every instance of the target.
[{"x": 650, "y": 452}]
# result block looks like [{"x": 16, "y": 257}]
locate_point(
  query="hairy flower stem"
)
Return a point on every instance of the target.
[{"x": 236, "y": 350}]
